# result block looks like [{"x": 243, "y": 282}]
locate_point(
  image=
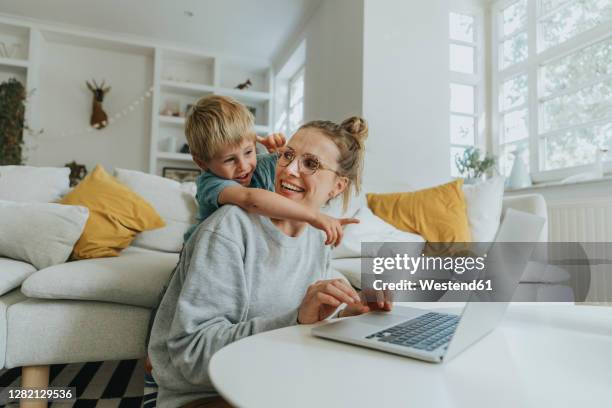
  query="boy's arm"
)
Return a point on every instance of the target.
[{"x": 269, "y": 204}]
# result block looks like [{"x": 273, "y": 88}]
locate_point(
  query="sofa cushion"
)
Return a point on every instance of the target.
[
  {"x": 373, "y": 230},
  {"x": 438, "y": 214},
  {"x": 484, "y": 207},
  {"x": 136, "y": 277},
  {"x": 33, "y": 184},
  {"x": 116, "y": 215},
  {"x": 13, "y": 273},
  {"x": 6, "y": 301},
  {"x": 42, "y": 234},
  {"x": 172, "y": 200}
]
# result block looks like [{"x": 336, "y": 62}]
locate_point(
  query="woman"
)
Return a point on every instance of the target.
[{"x": 244, "y": 273}]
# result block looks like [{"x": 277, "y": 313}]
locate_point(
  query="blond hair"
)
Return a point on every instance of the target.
[
  {"x": 216, "y": 122},
  {"x": 349, "y": 137}
]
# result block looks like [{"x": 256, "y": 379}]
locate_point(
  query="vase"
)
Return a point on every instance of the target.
[{"x": 519, "y": 176}]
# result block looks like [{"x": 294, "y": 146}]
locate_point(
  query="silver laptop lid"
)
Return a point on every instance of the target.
[{"x": 480, "y": 317}]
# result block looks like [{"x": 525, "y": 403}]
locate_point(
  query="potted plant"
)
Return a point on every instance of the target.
[
  {"x": 472, "y": 165},
  {"x": 12, "y": 121}
]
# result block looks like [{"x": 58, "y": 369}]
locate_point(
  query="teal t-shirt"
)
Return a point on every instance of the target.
[{"x": 209, "y": 186}]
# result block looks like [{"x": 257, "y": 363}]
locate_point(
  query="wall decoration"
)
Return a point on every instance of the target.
[
  {"x": 245, "y": 85},
  {"x": 99, "y": 118},
  {"x": 181, "y": 175},
  {"x": 77, "y": 172}
]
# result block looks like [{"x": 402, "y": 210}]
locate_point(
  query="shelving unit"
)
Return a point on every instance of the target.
[{"x": 181, "y": 78}]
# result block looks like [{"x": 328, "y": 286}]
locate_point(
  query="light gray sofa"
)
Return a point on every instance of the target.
[{"x": 93, "y": 310}]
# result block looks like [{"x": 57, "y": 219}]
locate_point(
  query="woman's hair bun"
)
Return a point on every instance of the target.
[{"x": 356, "y": 126}]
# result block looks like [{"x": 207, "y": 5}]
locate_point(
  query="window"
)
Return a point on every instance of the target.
[
  {"x": 289, "y": 92},
  {"x": 552, "y": 83},
  {"x": 296, "y": 101},
  {"x": 466, "y": 87}
]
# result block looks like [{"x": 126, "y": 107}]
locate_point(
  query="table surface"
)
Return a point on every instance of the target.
[{"x": 540, "y": 355}]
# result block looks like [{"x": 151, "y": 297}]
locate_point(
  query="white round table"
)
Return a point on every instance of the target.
[{"x": 540, "y": 356}]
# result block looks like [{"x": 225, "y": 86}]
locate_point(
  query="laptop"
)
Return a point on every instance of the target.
[{"x": 430, "y": 335}]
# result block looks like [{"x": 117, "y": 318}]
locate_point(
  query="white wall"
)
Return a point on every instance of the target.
[
  {"x": 406, "y": 94},
  {"x": 65, "y": 106},
  {"x": 334, "y": 54}
]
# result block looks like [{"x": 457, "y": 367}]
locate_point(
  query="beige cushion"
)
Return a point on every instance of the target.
[
  {"x": 13, "y": 273},
  {"x": 33, "y": 184},
  {"x": 173, "y": 201},
  {"x": 136, "y": 277},
  {"x": 42, "y": 234}
]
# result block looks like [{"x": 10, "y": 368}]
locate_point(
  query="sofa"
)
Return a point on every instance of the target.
[{"x": 99, "y": 309}]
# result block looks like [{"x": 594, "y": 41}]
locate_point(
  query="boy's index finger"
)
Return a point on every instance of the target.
[{"x": 345, "y": 221}]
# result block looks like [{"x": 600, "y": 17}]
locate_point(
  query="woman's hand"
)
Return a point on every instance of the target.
[
  {"x": 272, "y": 142},
  {"x": 323, "y": 297},
  {"x": 332, "y": 227},
  {"x": 370, "y": 301}
]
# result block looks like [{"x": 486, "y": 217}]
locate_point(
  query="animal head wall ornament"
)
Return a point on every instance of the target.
[{"x": 98, "y": 119}]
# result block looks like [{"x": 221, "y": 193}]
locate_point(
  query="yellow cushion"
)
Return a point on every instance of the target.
[
  {"x": 438, "y": 214},
  {"x": 116, "y": 215}
]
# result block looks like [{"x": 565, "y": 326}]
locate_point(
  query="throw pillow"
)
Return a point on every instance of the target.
[
  {"x": 375, "y": 231},
  {"x": 172, "y": 200},
  {"x": 438, "y": 214},
  {"x": 40, "y": 234},
  {"x": 33, "y": 184},
  {"x": 484, "y": 206},
  {"x": 117, "y": 214}
]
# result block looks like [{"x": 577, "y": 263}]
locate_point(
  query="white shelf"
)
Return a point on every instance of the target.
[
  {"x": 180, "y": 121},
  {"x": 186, "y": 87},
  {"x": 172, "y": 120},
  {"x": 10, "y": 62},
  {"x": 175, "y": 156},
  {"x": 244, "y": 96}
]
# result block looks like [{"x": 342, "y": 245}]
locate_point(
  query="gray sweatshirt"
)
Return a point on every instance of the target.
[{"x": 238, "y": 275}]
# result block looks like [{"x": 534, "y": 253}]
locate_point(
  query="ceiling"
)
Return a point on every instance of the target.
[{"x": 234, "y": 27}]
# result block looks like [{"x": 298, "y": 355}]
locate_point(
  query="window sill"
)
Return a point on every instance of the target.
[{"x": 557, "y": 184}]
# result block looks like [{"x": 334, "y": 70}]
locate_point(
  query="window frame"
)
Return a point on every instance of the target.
[
  {"x": 477, "y": 79},
  {"x": 531, "y": 66}
]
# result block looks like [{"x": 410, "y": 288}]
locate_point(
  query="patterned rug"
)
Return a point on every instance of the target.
[{"x": 107, "y": 384}]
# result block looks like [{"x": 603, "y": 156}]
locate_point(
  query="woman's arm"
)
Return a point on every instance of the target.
[{"x": 212, "y": 306}]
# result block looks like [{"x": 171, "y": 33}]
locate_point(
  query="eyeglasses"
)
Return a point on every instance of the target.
[{"x": 308, "y": 164}]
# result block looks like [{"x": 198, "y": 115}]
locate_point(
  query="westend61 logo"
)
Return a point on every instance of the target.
[{"x": 412, "y": 264}]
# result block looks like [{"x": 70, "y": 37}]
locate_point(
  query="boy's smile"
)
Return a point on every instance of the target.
[{"x": 235, "y": 163}]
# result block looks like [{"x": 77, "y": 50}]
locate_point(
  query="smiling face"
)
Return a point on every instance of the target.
[
  {"x": 316, "y": 189},
  {"x": 233, "y": 163}
]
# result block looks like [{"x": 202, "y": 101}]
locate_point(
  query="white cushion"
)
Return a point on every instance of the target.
[
  {"x": 334, "y": 207},
  {"x": 173, "y": 201},
  {"x": 33, "y": 184},
  {"x": 484, "y": 206},
  {"x": 40, "y": 234},
  {"x": 13, "y": 273},
  {"x": 136, "y": 277},
  {"x": 370, "y": 229}
]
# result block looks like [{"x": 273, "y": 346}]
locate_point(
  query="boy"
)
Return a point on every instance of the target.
[{"x": 221, "y": 140}]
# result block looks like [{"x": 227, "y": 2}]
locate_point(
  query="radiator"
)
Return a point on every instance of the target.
[
  {"x": 580, "y": 220},
  {"x": 586, "y": 220}
]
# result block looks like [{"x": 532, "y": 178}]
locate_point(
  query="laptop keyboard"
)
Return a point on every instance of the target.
[{"x": 427, "y": 332}]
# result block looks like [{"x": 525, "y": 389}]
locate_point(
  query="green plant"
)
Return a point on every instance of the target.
[
  {"x": 471, "y": 165},
  {"x": 12, "y": 121}
]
